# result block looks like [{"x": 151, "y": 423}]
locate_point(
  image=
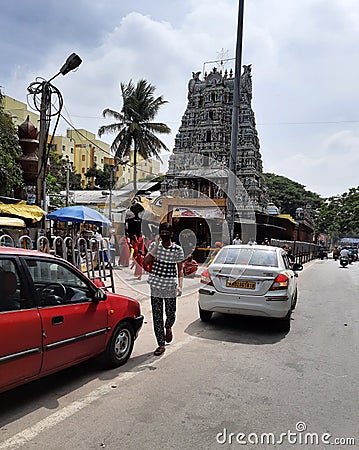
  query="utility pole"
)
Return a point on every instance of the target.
[
  {"x": 232, "y": 176},
  {"x": 112, "y": 168},
  {"x": 67, "y": 180},
  {"x": 43, "y": 136},
  {"x": 46, "y": 89}
]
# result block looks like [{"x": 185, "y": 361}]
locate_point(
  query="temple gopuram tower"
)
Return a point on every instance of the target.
[{"x": 200, "y": 159}]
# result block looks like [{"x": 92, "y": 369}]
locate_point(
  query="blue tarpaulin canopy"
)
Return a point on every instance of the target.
[{"x": 80, "y": 214}]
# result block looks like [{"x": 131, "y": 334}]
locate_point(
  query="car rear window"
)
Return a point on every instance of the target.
[{"x": 246, "y": 256}]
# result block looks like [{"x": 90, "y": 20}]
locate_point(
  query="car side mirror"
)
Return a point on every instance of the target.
[
  {"x": 100, "y": 295},
  {"x": 297, "y": 267}
]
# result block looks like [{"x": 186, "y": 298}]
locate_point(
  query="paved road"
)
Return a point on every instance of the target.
[{"x": 231, "y": 375}]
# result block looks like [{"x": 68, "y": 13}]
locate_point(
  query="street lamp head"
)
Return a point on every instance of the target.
[{"x": 72, "y": 62}]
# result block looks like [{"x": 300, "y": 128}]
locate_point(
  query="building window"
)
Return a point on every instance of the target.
[
  {"x": 83, "y": 170},
  {"x": 208, "y": 136},
  {"x": 63, "y": 148},
  {"x": 83, "y": 158},
  {"x": 72, "y": 150}
]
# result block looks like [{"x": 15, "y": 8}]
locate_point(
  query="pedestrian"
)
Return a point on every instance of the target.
[
  {"x": 288, "y": 249},
  {"x": 124, "y": 249},
  {"x": 190, "y": 267},
  {"x": 139, "y": 257},
  {"x": 252, "y": 242},
  {"x": 165, "y": 280},
  {"x": 237, "y": 240},
  {"x": 217, "y": 248},
  {"x": 134, "y": 246}
]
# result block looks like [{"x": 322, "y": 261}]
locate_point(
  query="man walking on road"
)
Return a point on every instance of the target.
[
  {"x": 237, "y": 240},
  {"x": 165, "y": 279}
]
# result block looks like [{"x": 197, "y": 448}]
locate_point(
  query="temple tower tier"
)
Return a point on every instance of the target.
[{"x": 200, "y": 159}]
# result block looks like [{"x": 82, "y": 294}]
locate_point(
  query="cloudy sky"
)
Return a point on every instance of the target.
[{"x": 304, "y": 66}]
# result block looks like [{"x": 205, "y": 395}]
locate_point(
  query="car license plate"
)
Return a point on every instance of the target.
[{"x": 239, "y": 284}]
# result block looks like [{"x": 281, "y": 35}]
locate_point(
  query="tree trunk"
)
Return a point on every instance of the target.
[{"x": 135, "y": 168}]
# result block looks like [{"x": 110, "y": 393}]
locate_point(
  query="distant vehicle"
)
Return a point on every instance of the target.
[
  {"x": 250, "y": 280},
  {"x": 343, "y": 261},
  {"x": 52, "y": 317}
]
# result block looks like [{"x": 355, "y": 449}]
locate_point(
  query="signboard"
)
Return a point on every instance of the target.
[{"x": 198, "y": 212}]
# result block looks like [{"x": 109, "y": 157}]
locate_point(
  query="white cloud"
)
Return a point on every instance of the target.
[{"x": 303, "y": 57}]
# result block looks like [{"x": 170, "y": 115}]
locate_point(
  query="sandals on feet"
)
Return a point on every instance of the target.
[
  {"x": 159, "y": 350},
  {"x": 169, "y": 335}
]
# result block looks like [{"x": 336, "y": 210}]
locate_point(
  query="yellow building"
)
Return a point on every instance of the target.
[
  {"x": 146, "y": 169},
  {"x": 84, "y": 150},
  {"x": 65, "y": 147},
  {"x": 89, "y": 152},
  {"x": 18, "y": 112}
]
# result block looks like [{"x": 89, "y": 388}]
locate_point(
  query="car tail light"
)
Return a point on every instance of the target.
[
  {"x": 206, "y": 278},
  {"x": 281, "y": 282}
]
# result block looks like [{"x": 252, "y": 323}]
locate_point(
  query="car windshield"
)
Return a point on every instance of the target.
[{"x": 247, "y": 256}]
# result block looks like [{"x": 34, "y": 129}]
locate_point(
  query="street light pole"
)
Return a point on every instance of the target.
[
  {"x": 232, "y": 175},
  {"x": 46, "y": 89},
  {"x": 67, "y": 180},
  {"x": 43, "y": 136}
]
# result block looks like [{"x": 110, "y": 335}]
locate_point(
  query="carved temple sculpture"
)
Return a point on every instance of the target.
[{"x": 200, "y": 158}]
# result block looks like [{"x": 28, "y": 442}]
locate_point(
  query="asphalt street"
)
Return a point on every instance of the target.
[{"x": 224, "y": 384}]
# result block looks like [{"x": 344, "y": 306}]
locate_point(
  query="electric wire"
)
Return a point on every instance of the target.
[
  {"x": 97, "y": 146},
  {"x": 41, "y": 92}
]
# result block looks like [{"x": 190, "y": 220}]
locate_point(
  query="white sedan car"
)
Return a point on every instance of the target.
[{"x": 253, "y": 280}]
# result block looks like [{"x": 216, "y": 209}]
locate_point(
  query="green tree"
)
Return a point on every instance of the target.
[
  {"x": 339, "y": 215},
  {"x": 289, "y": 195},
  {"x": 101, "y": 178},
  {"x": 56, "y": 179},
  {"x": 11, "y": 176},
  {"x": 134, "y": 125}
]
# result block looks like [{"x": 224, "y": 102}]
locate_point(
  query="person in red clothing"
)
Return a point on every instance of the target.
[
  {"x": 124, "y": 259},
  {"x": 134, "y": 247},
  {"x": 190, "y": 267},
  {"x": 140, "y": 256}
]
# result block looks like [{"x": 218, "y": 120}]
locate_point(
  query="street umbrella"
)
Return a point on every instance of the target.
[{"x": 81, "y": 214}]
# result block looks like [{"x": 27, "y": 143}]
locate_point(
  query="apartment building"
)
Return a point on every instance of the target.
[
  {"x": 146, "y": 169},
  {"x": 18, "y": 111},
  {"x": 83, "y": 150}
]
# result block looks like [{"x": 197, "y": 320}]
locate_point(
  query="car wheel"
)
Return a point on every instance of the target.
[
  {"x": 284, "y": 324},
  {"x": 120, "y": 347},
  {"x": 295, "y": 299},
  {"x": 205, "y": 316}
]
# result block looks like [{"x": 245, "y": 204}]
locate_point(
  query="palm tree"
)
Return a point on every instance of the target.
[{"x": 134, "y": 126}]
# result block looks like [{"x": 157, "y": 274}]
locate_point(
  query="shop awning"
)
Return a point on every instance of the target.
[
  {"x": 11, "y": 222},
  {"x": 22, "y": 210}
]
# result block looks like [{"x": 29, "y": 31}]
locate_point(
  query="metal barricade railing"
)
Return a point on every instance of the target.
[
  {"x": 101, "y": 265},
  {"x": 303, "y": 252},
  {"x": 81, "y": 256},
  {"x": 59, "y": 248},
  {"x": 7, "y": 241},
  {"x": 92, "y": 257},
  {"x": 69, "y": 249},
  {"x": 43, "y": 244},
  {"x": 25, "y": 242}
]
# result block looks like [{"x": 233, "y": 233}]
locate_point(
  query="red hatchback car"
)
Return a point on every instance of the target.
[{"x": 52, "y": 316}]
